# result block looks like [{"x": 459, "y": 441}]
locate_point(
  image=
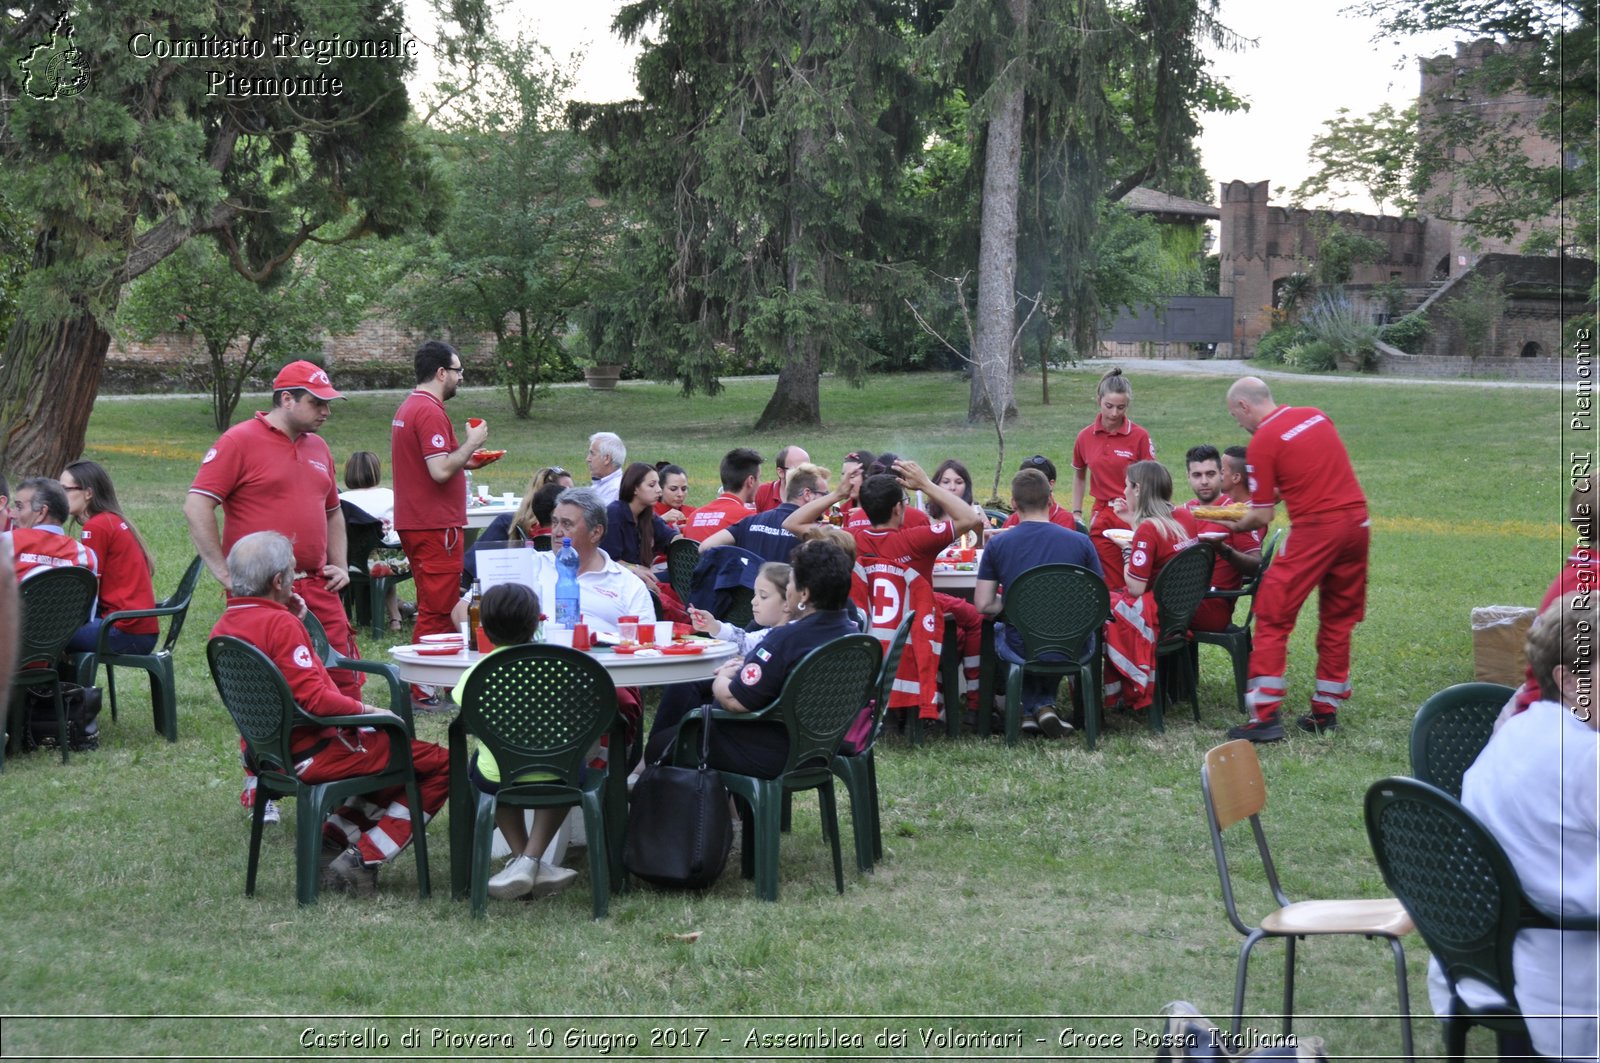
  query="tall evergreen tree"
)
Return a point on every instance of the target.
[
  {"x": 121, "y": 142},
  {"x": 758, "y": 159}
]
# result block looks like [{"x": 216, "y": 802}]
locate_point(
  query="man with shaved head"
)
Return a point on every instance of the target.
[{"x": 1296, "y": 455}]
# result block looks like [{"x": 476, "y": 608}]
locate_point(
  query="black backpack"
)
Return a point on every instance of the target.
[{"x": 39, "y": 723}]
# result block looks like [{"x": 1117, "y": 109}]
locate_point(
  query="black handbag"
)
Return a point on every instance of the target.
[{"x": 679, "y": 827}]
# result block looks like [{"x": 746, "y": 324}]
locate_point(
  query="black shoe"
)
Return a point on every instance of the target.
[
  {"x": 428, "y": 704},
  {"x": 1318, "y": 723},
  {"x": 1268, "y": 730}
]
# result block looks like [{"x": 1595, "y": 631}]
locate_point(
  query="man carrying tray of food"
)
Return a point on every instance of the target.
[{"x": 1296, "y": 454}]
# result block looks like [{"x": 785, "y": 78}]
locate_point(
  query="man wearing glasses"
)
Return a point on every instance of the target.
[
  {"x": 39, "y": 541},
  {"x": 430, "y": 490}
]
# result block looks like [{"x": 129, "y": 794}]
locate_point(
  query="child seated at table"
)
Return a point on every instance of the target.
[{"x": 509, "y": 615}]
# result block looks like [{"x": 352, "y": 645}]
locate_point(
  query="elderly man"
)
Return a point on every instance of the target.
[
  {"x": 606, "y": 459},
  {"x": 39, "y": 541},
  {"x": 430, "y": 490},
  {"x": 764, "y": 534},
  {"x": 1238, "y": 553},
  {"x": 774, "y": 493},
  {"x": 1296, "y": 454},
  {"x": 362, "y": 836},
  {"x": 740, "y": 473}
]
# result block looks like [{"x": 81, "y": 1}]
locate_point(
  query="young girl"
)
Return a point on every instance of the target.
[
  {"x": 768, "y": 608},
  {"x": 1100, "y": 458},
  {"x": 1159, "y": 533},
  {"x": 509, "y": 613}
]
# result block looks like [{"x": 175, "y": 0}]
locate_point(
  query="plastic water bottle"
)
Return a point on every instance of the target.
[
  {"x": 567, "y": 610},
  {"x": 469, "y": 488}
]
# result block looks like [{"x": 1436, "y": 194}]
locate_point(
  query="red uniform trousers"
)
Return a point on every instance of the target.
[
  {"x": 328, "y": 608},
  {"x": 1328, "y": 557},
  {"x": 1214, "y": 614},
  {"x": 379, "y": 823},
  {"x": 969, "y": 639},
  {"x": 1111, "y": 560},
  {"x": 436, "y": 556}
]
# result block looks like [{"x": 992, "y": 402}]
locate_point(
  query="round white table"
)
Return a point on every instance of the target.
[
  {"x": 480, "y": 517},
  {"x": 949, "y": 578},
  {"x": 625, "y": 669}
]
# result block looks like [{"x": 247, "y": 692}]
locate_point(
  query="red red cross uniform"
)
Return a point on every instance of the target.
[
  {"x": 1215, "y": 614},
  {"x": 35, "y": 550},
  {"x": 1105, "y": 456},
  {"x": 721, "y": 512},
  {"x": 378, "y": 823},
  {"x": 429, "y": 516},
  {"x": 266, "y": 481},
  {"x": 1296, "y": 455},
  {"x": 1134, "y": 629},
  {"x": 893, "y": 573}
]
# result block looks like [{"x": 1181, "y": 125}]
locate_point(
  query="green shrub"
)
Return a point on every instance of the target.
[
  {"x": 1314, "y": 356},
  {"x": 1275, "y": 344},
  {"x": 1408, "y": 334}
]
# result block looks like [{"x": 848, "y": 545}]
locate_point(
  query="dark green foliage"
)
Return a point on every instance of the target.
[{"x": 1408, "y": 334}]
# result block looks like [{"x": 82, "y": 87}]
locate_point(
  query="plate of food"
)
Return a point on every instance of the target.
[
  {"x": 480, "y": 458},
  {"x": 1121, "y": 536},
  {"x": 682, "y": 650},
  {"x": 1234, "y": 511},
  {"x": 436, "y": 649},
  {"x": 441, "y": 640},
  {"x": 1212, "y": 536}
]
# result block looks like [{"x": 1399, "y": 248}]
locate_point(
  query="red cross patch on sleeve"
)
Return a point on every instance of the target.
[{"x": 750, "y": 674}]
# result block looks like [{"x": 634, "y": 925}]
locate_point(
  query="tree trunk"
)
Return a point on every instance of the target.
[
  {"x": 993, "y": 386},
  {"x": 48, "y": 385},
  {"x": 797, "y": 400}
]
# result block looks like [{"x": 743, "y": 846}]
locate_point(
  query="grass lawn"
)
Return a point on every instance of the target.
[{"x": 1033, "y": 889}]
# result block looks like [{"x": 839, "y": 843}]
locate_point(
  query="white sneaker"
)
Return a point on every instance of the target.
[
  {"x": 270, "y": 813},
  {"x": 552, "y": 879},
  {"x": 516, "y": 880}
]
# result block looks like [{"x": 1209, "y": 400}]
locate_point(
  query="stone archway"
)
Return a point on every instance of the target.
[{"x": 1532, "y": 349}]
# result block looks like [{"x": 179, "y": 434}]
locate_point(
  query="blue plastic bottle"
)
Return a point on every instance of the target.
[{"x": 567, "y": 610}]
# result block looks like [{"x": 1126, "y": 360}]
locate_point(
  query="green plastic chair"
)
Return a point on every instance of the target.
[
  {"x": 1461, "y": 890},
  {"x": 1451, "y": 729},
  {"x": 1235, "y": 790},
  {"x": 158, "y": 663},
  {"x": 1056, "y": 609},
  {"x": 1179, "y": 589},
  {"x": 366, "y": 595},
  {"x": 859, "y": 770},
  {"x": 683, "y": 556},
  {"x": 820, "y": 699},
  {"x": 399, "y": 695},
  {"x": 540, "y": 709},
  {"x": 55, "y": 604},
  {"x": 1237, "y": 638},
  {"x": 258, "y": 698}
]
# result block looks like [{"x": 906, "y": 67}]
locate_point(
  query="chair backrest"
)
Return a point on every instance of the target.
[
  {"x": 1451, "y": 875},
  {"x": 1235, "y": 790},
  {"x": 319, "y": 638},
  {"x": 180, "y": 600},
  {"x": 823, "y": 695},
  {"x": 55, "y": 604},
  {"x": 363, "y": 534},
  {"x": 741, "y": 607},
  {"x": 1451, "y": 729},
  {"x": 891, "y": 659},
  {"x": 683, "y": 555},
  {"x": 1056, "y": 609},
  {"x": 1180, "y": 587},
  {"x": 258, "y": 698},
  {"x": 539, "y": 709}
]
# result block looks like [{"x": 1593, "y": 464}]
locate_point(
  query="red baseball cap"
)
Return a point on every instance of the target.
[{"x": 307, "y": 375}]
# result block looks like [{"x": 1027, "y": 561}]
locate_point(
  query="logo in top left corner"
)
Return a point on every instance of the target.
[{"x": 55, "y": 70}]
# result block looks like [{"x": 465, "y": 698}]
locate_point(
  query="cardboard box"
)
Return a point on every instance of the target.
[{"x": 1499, "y": 635}]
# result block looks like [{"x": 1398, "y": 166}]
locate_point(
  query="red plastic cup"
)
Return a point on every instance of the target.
[
  {"x": 968, "y": 554},
  {"x": 580, "y": 636},
  {"x": 484, "y": 645},
  {"x": 474, "y": 422},
  {"x": 628, "y": 628},
  {"x": 647, "y": 634}
]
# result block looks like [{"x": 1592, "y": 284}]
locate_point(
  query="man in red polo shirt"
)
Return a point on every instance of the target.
[
  {"x": 1059, "y": 514},
  {"x": 741, "y": 473},
  {"x": 39, "y": 541},
  {"x": 361, "y": 836},
  {"x": 430, "y": 490},
  {"x": 275, "y": 473},
  {"x": 1238, "y": 553},
  {"x": 1296, "y": 454},
  {"x": 774, "y": 493}
]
